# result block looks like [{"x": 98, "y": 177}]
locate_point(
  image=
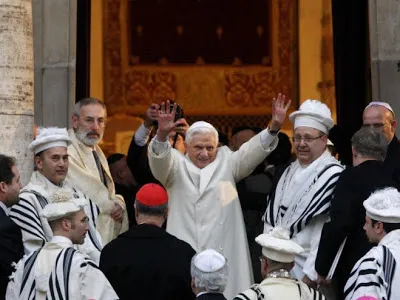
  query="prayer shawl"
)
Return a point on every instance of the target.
[
  {"x": 57, "y": 272},
  {"x": 84, "y": 175},
  {"x": 278, "y": 289},
  {"x": 204, "y": 208},
  {"x": 300, "y": 204},
  {"x": 377, "y": 274},
  {"x": 36, "y": 230}
]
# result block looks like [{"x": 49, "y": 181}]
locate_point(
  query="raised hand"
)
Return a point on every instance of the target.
[
  {"x": 165, "y": 118},
  {"x": 279, "y": 111}
]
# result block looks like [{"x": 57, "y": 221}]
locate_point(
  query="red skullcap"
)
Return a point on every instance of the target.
[{"x": 152, "y": 194}]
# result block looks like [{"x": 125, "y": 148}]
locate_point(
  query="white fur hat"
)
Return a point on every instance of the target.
[
  {"x": 49, "y": 138},
  {"x": 209, "y": 261},
  {"x": 384, "y": 205},
  {"x": 62, "y": 203},
  {"x": 277, "y": 246},
  {"x": 314, "y": 114}
]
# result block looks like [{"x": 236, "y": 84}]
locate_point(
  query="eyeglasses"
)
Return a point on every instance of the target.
[{"x": 306, "y": 139}]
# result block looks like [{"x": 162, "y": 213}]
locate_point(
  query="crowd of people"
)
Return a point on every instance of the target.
[{"x": 187, "y": 214}]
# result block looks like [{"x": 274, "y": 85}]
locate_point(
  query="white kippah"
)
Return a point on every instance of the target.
[
  {"x": 209, "y": 261},
  {"x": 383, "y": 104},
  {"x": 62, "y": 203},
  {"x": 384, "y": 205},
  {"x": 277, "y": 246},
  {"x": 49, "y": 138},
  {"x": 314, "y": 114}
]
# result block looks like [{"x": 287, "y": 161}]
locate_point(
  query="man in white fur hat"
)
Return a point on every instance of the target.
[
  {"x": 204, "y": 208},
  {"x": 59, "y": 271},
  {"x": 377, "y": 274},
  {"x": 301, "y": 200},
  {"x": 51, "y": 161},
  {"x": 277, "y": 259}
]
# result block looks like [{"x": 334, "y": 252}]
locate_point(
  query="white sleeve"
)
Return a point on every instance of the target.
[{"x": 142, "y": 135}]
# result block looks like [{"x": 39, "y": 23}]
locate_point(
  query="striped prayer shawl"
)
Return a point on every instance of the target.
[
  {"x": 372, "y": 275},
  {"x": 26, "y": 214},
  {"x": 311, "y": 199},
  {"x": 258, "y": 292}
]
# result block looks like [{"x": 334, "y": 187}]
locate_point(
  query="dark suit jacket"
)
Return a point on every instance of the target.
[
  {"x": 146, "y": 262},
  {"x": 392, "y": 161},
  {"x": 211, "y": 296},
  {"x": 11, "y": 249},
  {"x": 347, "y": 214}
]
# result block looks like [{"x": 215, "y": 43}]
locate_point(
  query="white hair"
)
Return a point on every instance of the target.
[
  {"x": 212, "y": 282},
  {"x": 201, "y": 127}
]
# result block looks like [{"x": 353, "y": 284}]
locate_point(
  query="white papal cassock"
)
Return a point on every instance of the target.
[
  {"x": 300, "y": 204},
  {"x": 204, "y": 208},
  {"x": 377, "y": 274},
  {"x": 58, "y": 272},
  {"x": 36, "y": 230}
]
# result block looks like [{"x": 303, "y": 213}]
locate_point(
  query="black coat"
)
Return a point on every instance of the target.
[
  {"x": 347, "y": 214},
  {"x": 11, "y": 249},
  {"x": 392, "y": 161},
  {"x": 211, "y": 296},
  {"x": 146, "y": 262},
  {"x": 129, "y": 195}
]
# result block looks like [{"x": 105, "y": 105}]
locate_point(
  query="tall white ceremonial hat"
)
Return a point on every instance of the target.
[
  {"x": 50, "y": 137},
  {"x": 62, "y": 203},
  {"x": 383, "y": 104},
  {"x": 384, "y": 205},
  {"x": 314, "y": 114},
  {"x": 209, "y": 261},
  {"x": 277, "y": 246}
]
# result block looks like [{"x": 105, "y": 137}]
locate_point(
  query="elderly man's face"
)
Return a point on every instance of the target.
[
  {"x": 309, "y": 144},
  {"x": 202, "y": 149},
  {"x": 379, "y": 118},
  {"x": 53, "y": 164},
  {"x": 89, "y": 126}
]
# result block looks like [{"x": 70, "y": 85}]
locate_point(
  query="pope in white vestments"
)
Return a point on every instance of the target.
[
  {"x": 204, "y": 208},
  {"x": 58, "y": 271},
  {"x": 377, "y": 274},
  {"x": 302, "y": 197}
]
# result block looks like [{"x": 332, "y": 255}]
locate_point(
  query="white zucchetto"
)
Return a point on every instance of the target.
[
  {"x": 209, "y": 261},
  {"x": 314, "y": 114},
  {"x": 383, "y": 104},
  {"x": 277, "y": 246},
  {"x": 62, "y": 203},
  {"x": 50, "y": 137},
  {"x": 384, "y": 205}
]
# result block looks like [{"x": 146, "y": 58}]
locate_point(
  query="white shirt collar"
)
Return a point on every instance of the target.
[
  {"x": 57, "y": 239},
  {"x": 4, "y": 207}
]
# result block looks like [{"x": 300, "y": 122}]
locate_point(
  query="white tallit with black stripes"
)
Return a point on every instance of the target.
[
  {"x": 377, "y": 274},
  {"x": 36, "y": 230},
  {"x": 300, "y": 204},
  {"x": 58, "y": 272}
]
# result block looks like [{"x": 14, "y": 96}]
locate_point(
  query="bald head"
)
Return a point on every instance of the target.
[{"x": 380, "y": 118}]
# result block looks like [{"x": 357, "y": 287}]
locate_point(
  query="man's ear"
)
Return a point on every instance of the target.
[
  {"x": 3, "y": 187},
  {"x": 75, "y": 121}
]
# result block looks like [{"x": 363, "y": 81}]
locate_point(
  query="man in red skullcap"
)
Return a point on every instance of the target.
[{"x": 146, "y": 262}]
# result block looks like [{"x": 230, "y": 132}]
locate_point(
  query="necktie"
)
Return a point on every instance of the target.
[{"x": 99, "y": 167}]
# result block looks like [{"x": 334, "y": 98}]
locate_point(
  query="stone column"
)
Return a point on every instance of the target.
[
  {"x": 54, "y": 32},
  {"x": 16, "y": 83},
  {"x": 384, "y": 24}
]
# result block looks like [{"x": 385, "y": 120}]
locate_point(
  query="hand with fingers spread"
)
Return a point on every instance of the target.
[
  {"x": 279, "y": 111},
  {"x": 165, "y": 118}
]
